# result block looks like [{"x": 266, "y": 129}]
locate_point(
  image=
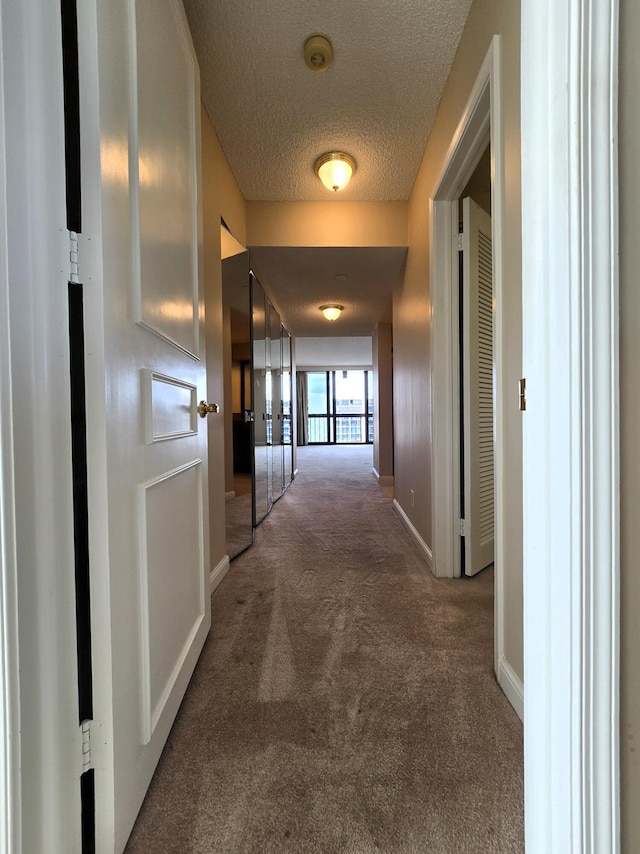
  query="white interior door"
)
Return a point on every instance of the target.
[
  {"x": 478, "y": 388},
  {"x": 142, "y": 243}
]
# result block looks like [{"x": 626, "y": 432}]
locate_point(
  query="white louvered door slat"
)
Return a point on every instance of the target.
[{"x": 478, "y": 388}]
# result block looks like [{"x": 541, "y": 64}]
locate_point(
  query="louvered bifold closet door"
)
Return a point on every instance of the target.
[
  {"x": 485, "y": 389},
  {"x": 478, "y": 403}
]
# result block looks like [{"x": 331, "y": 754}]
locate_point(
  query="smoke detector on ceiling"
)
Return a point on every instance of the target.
[{"x": 318, "y": 52}]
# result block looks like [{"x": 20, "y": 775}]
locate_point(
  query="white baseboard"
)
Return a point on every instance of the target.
[
  {"x": 218, "y": 573},
  {"x": 229, "y": 495},
  {"x": 383, "y": 479},
  {"x": 424, "y": 548},
  {"x": 512, "y": 687}
]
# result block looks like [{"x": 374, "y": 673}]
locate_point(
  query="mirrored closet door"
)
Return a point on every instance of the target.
[
  {"x": 261, "y": 381},
  {"x": 257, "y": 411},
  {"x": 272, "y": 402},
  {"x": 238, "y": 408},
  {"x": 276, "y": 481},
  {"x": 285, "y": 393}
]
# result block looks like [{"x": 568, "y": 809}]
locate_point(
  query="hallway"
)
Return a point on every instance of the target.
[{"x": 345, "y": 700}]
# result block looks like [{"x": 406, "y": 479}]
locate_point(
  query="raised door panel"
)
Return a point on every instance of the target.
[
  {"x": 172, "y": 566},
  {"x": 163, "y": 171},
  {"x": 170, "y": 407}
]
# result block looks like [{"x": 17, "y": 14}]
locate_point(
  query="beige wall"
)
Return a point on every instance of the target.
[
  {"x": 630, "y": 421},
  {"x": 411, "y": 310},
  {"x": 332, "y": 223},
  {"x": 383, "y": 400},
  {"x": 221, "y": 198}
]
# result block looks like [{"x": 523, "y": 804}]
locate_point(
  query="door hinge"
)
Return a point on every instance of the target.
[
  {"x": 460, "y": 239},
  {"x": 463, "y": 527},
  {"x": 522, "y": 393},
  {"x": 86, "y": 745},
  {"x": 73, "y": 257}
]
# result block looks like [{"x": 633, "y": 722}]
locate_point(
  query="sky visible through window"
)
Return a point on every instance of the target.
[{"x": 317, "y": 392}]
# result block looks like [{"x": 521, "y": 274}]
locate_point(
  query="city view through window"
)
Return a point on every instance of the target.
[{"x": 340, "y": 407}]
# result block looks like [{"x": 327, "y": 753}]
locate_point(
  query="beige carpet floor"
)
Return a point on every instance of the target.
[{"x": 345, "y": 701}]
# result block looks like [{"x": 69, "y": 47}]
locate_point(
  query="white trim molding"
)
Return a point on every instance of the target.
[
  {"x": 512, "y": 686},
  {"x": 218, "y": 573},
  {"x": 10, "y": 795},
  {"x": 571, "y": 435},
  {"x": 383, "y": 479},
  {"x": 39, "y": 689},
  {"x": 406, "y": 521}
]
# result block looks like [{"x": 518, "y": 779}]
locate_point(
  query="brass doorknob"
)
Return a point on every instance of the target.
[{"x": 205, "y": 408}]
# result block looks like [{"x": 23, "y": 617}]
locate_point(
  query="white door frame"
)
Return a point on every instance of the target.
[
  {"x": 10, "y": 807},
  {"x": 481, "y": 123},
  {"x": 41, "y": 739},
  {"x": 571, "y": 435}
]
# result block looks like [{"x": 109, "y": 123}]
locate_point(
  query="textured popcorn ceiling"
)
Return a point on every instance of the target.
[{"x": 274, "y": 117}]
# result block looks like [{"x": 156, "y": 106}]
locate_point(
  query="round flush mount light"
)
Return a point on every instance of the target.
[
  {"x": 332, "y": 311},
  {"x": 341, "y": 277},
  {"x": 318, "y": 52},
  {"x": 335, "y": 169}
]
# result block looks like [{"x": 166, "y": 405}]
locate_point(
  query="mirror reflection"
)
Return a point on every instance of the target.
[
  {"x": 275, "y": 346},
  {"x": 261, "y": 400},
  {"x": 238, "y": 408},
  {"x": 257, "y": 411},
  {"x": 285, "y": 393}
]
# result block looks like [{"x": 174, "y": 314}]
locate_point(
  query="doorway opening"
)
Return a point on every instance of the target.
[{"x": 480, "y": 126}]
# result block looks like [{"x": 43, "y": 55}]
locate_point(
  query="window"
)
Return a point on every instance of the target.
[{"x": 340, "y": 407}]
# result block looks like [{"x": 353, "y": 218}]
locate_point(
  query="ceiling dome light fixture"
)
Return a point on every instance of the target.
[
  {"x": 335, "y": 170},
  {"x": 332, "y": 311}
]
